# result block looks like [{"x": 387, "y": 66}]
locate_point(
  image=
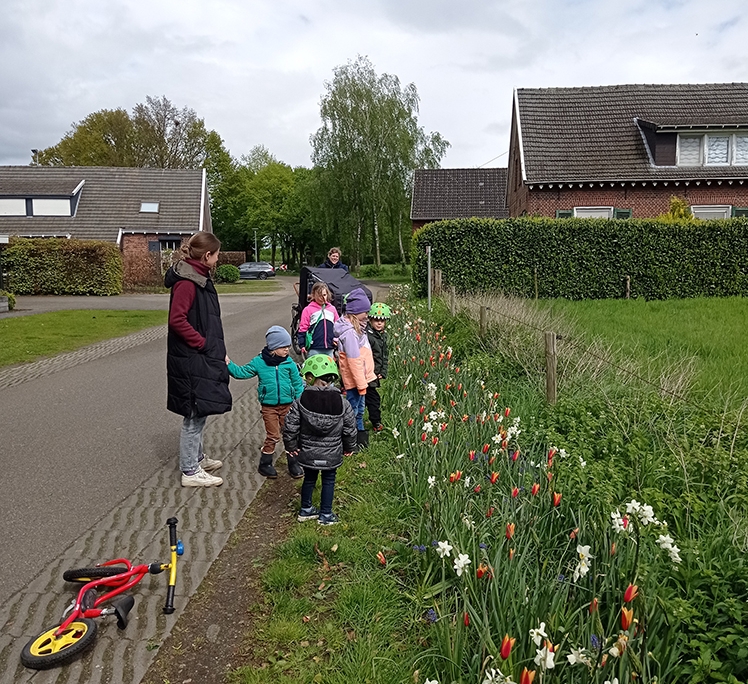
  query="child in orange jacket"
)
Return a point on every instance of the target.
[{"x": 355, "y": 360}]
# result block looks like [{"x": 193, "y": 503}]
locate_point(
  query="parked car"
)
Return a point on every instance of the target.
[{"x": 256, "y": 269}]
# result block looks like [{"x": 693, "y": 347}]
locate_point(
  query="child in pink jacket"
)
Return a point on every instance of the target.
[{"x": 317, "y": 321}]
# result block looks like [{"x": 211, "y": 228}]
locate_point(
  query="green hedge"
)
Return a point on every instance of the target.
[
  {"x": 586, "y": 258},
  {"x": 50, "y": 266}
]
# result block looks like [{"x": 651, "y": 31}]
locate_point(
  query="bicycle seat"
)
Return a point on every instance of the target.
[{"x": 122, "y": 608}]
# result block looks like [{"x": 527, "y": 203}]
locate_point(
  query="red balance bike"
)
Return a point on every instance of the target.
[{"x": 77, "y": 632}]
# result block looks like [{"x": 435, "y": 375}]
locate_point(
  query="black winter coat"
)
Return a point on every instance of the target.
[
  {"x": 198, "y": 380},
  {"x": 321, "y": 426},
  {"x": 379, "y": 352}
]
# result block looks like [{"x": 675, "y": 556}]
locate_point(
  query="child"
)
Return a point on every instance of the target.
[
  {"x": 356, "y": 362},
  {"x": 320, "y": 429},
  {"x": 317, "y": 320},
  {"x": 198, "y": 384},
  {"x": 279, "y": 383},
  {"x": 379, "y": 314}
]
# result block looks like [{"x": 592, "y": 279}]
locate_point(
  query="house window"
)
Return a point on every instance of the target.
[
  {"x": 51, "y": 207},
  {"x": 717, "y": 149},
  {"x": 564, "y": 213},
  {"x": 12, "y": 207},
  {"x": 689, "y": 150},
  {"x": 741, "y": 149},
  {"x": 172, "y": 244},
  {"x": 593, "y": 212},
  {"x": 623, "y": 213},
  {"x": 740, "y": 212},
  {"x": 149, "y": 207},
  {"x": 711, "y": 211}
]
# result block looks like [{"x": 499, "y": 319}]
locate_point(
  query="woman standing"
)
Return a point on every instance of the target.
[
  {"x": 198, "y": 379},
  {"x": 333, "y": 260}
]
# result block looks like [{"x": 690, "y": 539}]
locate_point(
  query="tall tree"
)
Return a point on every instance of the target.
[{"x": 367, "y": 148}]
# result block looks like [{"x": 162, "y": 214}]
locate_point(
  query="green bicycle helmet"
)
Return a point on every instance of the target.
[
  {"x": 320, "y": 365},
  {"x": 379, "y": 310}
]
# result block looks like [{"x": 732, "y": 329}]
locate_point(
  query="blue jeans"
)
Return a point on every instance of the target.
[
  {"x": 358, "y": 404},
  {"x": 191, "y": 443},
  {"x": 314, "y": 352},
  {"x": 328, "y": 488}
]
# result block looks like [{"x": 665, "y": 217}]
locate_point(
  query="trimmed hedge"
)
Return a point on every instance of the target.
[
  {"x": 51, "y": 266},
  {"x": 11, "y": 299},
  {"x": 227, "y": 273},
  {"x": 586, "y": 258}
]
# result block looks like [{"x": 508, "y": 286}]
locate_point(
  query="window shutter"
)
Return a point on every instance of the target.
[
  {"x": 622, "y": 213},
  {"x": 564, "y": 213}
]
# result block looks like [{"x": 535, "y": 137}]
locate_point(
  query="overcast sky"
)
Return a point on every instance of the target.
[{"x": 255, "y": 69}]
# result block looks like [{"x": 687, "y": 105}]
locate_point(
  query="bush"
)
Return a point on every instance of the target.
[
  {"x": 227, "y": 273},
  {"x": 401, "y": 270},
  {"x": 371, "y": 271},
  {"x": 11, "y": 299},
  {"x": 587, "y": 258},
  {"x": 43, "y": 266}
]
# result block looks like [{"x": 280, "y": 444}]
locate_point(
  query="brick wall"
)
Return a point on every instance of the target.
[
  {"x": 141, "y": 267},
  {"x": 233, "y": 258},
  {"x": 647, "y": 201}
]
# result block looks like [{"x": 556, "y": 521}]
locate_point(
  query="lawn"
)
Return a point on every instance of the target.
[
  {"x": 248, "y": 287},
  {"x": 28, "y": 338},
  {"x": 666, "y": 333}
]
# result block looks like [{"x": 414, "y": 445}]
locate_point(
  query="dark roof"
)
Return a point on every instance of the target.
[
  {"x": 458, "y": 193},
  {"x": 590, "y": 134},
  {"x": 109, "y": 200}
]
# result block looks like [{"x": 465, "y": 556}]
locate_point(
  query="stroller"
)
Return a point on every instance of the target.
[{"x": 339, "y": 282}]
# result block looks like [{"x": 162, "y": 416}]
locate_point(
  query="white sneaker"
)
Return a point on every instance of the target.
[
  {"x": 209, "y": 464},
  {"x": 201, "y": 479}
]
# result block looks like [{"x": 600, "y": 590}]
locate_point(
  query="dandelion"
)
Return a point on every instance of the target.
[
  {"x": 443, "y": 549},
  {"x": 395, "y": 433},
  {"x": 461, "y": 562},
  {"x": 537, "y": 635},
  {"x": 432, "y": 481}
]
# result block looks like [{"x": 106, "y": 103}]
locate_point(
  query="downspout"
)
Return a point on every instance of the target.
[{"x": 203, "y": 193}]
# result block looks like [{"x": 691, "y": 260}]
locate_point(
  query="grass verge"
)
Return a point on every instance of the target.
[{"x": 28, "y": 338}]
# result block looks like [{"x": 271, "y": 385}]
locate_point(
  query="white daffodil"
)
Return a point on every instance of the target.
[
  {"x": 611, "y": 681},
  {"x": 468, "y": 521},
  {"x": 580, "y": 571},
  {"x": 461, "y": 562},
  {"x": 665, "y": 541},
  {"x": 614, "y": 651},
  {"x": 494, "y": 676},
  {"x": 537, "y": 635},
  {"x": 584, "y": 552},
  {"x": 405, "y": 384},
  {"x": 562, "y": 453},
  {"x": 544, "y": 658},
  {"x": 578, "y": 656},
  {"x": 395, "y": 433},
  {"x": 646, "y": 515},
  {"x": 431, "y": 389},
  {"x": 428, "y": 427},
  {"x": 443, "y": 548},
  {"x": 674, "y": 552},
  {"x": 410, "y": 401},
  {"x": 432, "y": 481},
  {"x": 496, "y": 439},
  {"x": 582, "y": 462},
  {"x": 633, "y": 506},
  {"x": 399, "y": 456},
  {"x": 466, "y": 482},
  {"x": 431, "y": 681},
  {"x": 433, "y": 415}
]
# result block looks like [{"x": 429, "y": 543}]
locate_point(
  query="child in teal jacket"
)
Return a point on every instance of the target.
[{"x": 279, "y": 383}]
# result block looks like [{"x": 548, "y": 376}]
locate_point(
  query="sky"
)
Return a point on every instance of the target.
[{"x": 255, "y": 70}]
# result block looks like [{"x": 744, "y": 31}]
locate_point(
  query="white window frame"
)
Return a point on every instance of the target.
[
  {"x": 164, "y": 242},
  {"x": 705, "y": 147},
  {"x": 149, "y": 207},
  {"x": 678, "y": 162},
  {"x": 608, "y": 210},
  {"x": 713, "y": 208},
  {"x": 49, "y": 206},
  {"x": 734, "y": 147},
  {"x": 12, "y": 206}
]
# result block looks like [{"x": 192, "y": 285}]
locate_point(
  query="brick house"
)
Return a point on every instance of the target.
[
  {"x": 147, "y": 212},
  {"x": 457, "y": 193},
  {"x": 623, "y": 151}
]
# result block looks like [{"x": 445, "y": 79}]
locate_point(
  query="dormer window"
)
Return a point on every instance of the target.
[
  {"x": 149, "y": 207},
  {"x": 713, "y": 149}
]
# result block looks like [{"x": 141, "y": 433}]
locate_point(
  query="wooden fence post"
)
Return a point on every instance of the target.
[
  {"x": 551, "y": 362},
  {"x": 437, "y": 289},
  {"x": 452, "y": 300},
  {"x": 483, "y": 326},
  {"x": 628, "y": 286}
]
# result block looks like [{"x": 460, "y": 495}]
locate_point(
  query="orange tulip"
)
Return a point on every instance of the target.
[
  {"x": 627, "y": 617},
  {"x": 381, "y": 558},
  {"x": 511, "y": 554},
  {"x": 631, "y": 593},
  {"x": 556, "y": 499},
  {"x": 506, "y": 647},
  {"x": 527, "y": 676},
  {"x": 486, "y": 447},
  {"x": 593, "y": 605},
  {"x": 515, "y": 455},
  {"x": 550, "y": 476},
  {"x": 482, "y": 570},
  {"x": 573, "y": 533},
  {"x": 491, "y": 460},
  {"x": 471, "y": 454},
  {"x": 613, "y": 549},
  {"x": 494, "y": 477},
  {"x": 535, "y": 489},
  {"x": 509, "y": 530}
]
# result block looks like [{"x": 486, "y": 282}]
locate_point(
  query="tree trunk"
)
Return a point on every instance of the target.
[
  {"x": 377, "y": 257},
  {"x": 358, "y": 243},
  {"x": 400, "y": 242}
]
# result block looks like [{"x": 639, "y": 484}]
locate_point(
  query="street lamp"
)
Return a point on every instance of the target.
[{"x": 36, "y": 157}]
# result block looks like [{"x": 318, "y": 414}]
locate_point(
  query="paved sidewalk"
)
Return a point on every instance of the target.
[{"x": 136, "y": 529}]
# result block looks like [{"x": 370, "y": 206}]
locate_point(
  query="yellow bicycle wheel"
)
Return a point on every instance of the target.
[{"x": 47, "y": 650}]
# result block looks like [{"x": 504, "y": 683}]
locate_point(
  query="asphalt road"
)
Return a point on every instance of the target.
[{"x": 76, "y": 442}]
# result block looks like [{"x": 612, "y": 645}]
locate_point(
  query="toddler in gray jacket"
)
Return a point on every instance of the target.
[{"x": 320, "y": 428}]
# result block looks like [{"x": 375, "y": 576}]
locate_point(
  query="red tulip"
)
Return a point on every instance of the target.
[
  {"x": 471, "y": 454},
  {"x": 504, "y": 444},
  {"x": 551, "y": 452},
  {"x": 494, "y": 477},
  {"x": 491, "y": 460},
  {"x": 418, "y": 337},
  {"x": 556, "y": 498},
  {"x": 527, "y": 676},
  {"x": 466, "y": 620},
  {"x": 421, "y": 361},
  {"x": 422, "y": 409},
  {"x": 631, "y": 593},
  {"x": 455, "y": 476},
  {"x": 459, "y": 387},
  {"x": 482, "y": 570},
  {"x": 506, "y": 412},
  {"x": 506, "y": 647},
  {"x": 625, "y": 521},
  {"x": 465, "y": 418},
  {"x": 550, "y": 476},
  {"x": 452, "y": 403},
  {"x": 495, "y": 395},
  {"x": 486, "y": 447},
  {"x": 627, "y": 617},
  {"x": 535, "y": 489},
  {"x": 515, "y": 455},
  {"x": 381, "y": 558},
  {"x": 573, "y": 533},
  {"x": 515, "y": 492},
  {"x": 423, "y": 436},
  {"x": 593, "y": 605},
  {"x": 457, "y": 369},
  {"x": 435, "y": 440},
  {"x": 509, "y": 530},
  {"x": 489, "y": 512},
  {"x": 476, "y": 489}
]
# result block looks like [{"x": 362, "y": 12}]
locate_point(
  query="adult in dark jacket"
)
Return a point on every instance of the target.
[
  {"x": 320, "y": 428},
  {"x": 197, "y": 377},
  {"x": 333, "y": 260}
]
